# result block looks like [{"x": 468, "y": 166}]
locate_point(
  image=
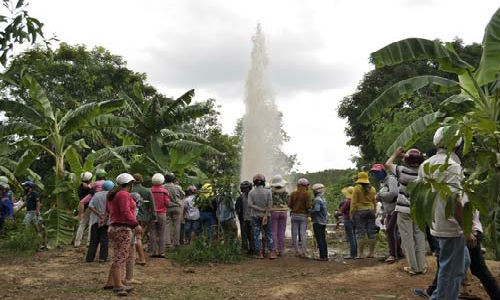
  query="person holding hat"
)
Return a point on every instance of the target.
[
  {"x": 363, "y": 212},
  {"x": 319, "y": 215},
  {"x": 348, "y": 222},
  {"x": 412, "y": 238},
  {"x": 279, "y": 211},
  {"x": 122, "y": 219},
  {"x": 388, "y": 195}
]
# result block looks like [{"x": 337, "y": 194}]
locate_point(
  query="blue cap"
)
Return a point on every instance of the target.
[
  {"x": 108, "y": 185},
  {"x": 30, "y": 183}
]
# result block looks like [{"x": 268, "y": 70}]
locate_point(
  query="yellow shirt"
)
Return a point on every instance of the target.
[{"x": 361, "y": 200}]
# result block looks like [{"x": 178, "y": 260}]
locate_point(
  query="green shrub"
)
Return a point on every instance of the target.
[
  {"x": 198, "y": 252},
  {"x": 24, "y": 240}
]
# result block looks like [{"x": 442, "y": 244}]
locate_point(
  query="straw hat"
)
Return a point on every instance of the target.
[
  {"x": 363, "y": 177},
  {"x": 348, "y": 191}
]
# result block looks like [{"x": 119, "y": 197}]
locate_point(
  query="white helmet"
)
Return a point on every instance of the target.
[
  {"x": 319, "y": 187},
  {"x": 124, "y": 178},
  {"x": 86, "y": 176},
  {"x": 158, "y": 179},
  {"x": 439, "y": 137}
]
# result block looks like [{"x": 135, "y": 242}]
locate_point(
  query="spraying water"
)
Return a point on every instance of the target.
[{"x": 262, "y": 135}]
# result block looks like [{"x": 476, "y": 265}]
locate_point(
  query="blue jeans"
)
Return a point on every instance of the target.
[
  {"x": 351, "y": 238},
  {"x": 207, "y": 220},
  {"x": 453, "y": 258},
  {"x": 266, "y": 231},
  {"x": 191, "y": 226},
  {"x": 299, "y": 227}
]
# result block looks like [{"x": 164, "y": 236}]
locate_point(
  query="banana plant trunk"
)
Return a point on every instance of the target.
[{"x": 60, "y": 204}]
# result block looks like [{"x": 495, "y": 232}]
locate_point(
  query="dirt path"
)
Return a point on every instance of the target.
[{"x": 61, "y": 274}]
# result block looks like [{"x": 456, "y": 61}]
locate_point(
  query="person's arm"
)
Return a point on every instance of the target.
[
  {"x": 316, "y": 206},
  {"x": 38, "y": 206},
  {"x": 152, "y": 207},
  {"x": 354, "y": 202},
  {"x": 167, "y": 198},
  {"x": 391, "y": 194},
  {"x": 398, "y": 153}
]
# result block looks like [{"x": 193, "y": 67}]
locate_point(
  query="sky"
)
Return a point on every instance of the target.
[{"x": 318, "y": 51}]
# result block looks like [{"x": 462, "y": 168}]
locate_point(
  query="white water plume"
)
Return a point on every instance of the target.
[{"x": 262, "y": 133}]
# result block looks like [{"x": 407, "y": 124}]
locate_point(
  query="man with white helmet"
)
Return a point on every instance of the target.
[{"x": 447, "y": 230}]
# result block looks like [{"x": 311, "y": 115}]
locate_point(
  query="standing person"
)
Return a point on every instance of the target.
[
  {"x": 279, "y": 212},
  {"x": 362, "y": 211},
  {"x": 128, "y": 277},
  {"x": 207, "y": 204},
  {"x": 227, "y": 216},
  {"x": 191, "y": 215},
  {"x": 412, "y": 238},
  {"x": 260, "y": 202},
  {"x": 174, "y": 211},
  {"x": 348, "y": 223},
  {"x": 145, "y": 216},
  {"x": 99, "y": 224},
  {"x": 33, "y": 205},
  {"x": 121, "y": 209},
  {"x": 447, "y": 230},
  {"x": 300, "y": 204},
  {"x": 319, "y": 215},
  {"x": 84, "y": 192},
  {"x": 243, "y": 212},
  {"x": 6, "y": 205},
  {"x": 388, "y": 195},
  {"x": 158, "y": 229}
]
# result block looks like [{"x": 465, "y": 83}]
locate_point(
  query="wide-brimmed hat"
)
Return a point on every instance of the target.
[
  {"x": 362, "y": 178},
  {"x": 278, "y": 181},
  {"x": 348, "y": 191}
]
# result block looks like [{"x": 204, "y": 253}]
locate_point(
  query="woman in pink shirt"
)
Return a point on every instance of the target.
[
  {"x": 159, "y": 229},
  {"x": 121, "y": 209}
]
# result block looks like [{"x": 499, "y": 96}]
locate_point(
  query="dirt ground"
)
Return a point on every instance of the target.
[{"x": 62, "y": 274}]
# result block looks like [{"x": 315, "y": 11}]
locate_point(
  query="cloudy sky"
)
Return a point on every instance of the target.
[{"x": 318, "y": 50}]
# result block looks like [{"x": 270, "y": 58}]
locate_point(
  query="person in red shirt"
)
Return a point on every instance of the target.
[
  {"x": 122, "y": 219},
  {"x": 161, "y": 197}
]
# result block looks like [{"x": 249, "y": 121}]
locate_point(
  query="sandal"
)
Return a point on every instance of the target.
[{"x": 107, "y": 287}]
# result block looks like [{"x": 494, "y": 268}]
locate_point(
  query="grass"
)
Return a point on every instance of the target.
[{"x": 198, "y": 252}]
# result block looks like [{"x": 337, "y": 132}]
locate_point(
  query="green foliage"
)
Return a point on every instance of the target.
[
  {"x": 19, "y": 239},
  {"x": 474, "y": 114},
  {"x": 199, "y": 253},
  {"x": 16, "y": 27}
]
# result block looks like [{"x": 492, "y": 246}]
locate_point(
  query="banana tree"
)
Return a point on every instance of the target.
[
  {"x": 473, "y": 109},
  {"x": 158, "y": 128},
  {"x": 40, "y": 128}
]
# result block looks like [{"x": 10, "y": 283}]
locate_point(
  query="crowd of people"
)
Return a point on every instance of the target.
[{"x": 126, "y": 213}]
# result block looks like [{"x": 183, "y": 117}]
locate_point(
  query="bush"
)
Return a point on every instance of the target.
[
  {"x": 199, "y": 253},
  {"x": 21, "y": 241}
]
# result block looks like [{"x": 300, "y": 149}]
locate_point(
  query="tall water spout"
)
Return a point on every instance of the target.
[{"x": 262, "y": 137}]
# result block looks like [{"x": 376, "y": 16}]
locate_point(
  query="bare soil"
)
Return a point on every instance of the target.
[{"x": 62, "y": 274}]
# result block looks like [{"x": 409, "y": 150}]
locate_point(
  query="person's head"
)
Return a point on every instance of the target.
[
  {"x": 4, "y": 179},
  {"x": 277, "y": 182},
  {"x": 259, "y": 180},
  {"x": 348, "y": 191},
  {"x": 138, "y": 177},
  {"x": 444, "y": 136},
  {"x": 28, "y": 185},
  {"x": 318, "y": 188},
  {"x": 125, "y": 181},
  {"x": 108, "y": 185},
  {"x": 169, "y": 177},
  {"x": 4, "y": 187},
  {"x": 191, "y": 190},
  {"x": 157, "y": 179},
  {"x": 86, "y": 177},
  {"x": 302, "y": 184},
  {"x": 364, "y": 181},
  {"x": 378, "y": 171},
  {"x": 413, "y": 158},
  {"x": 245, "y": 186},
  {"x": 101, "y": 174}
]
